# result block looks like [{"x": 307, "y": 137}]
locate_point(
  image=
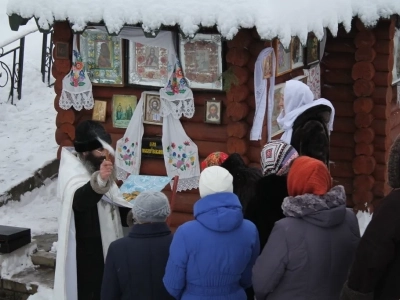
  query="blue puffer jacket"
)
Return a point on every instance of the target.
[{"x": 212, "y": 257}]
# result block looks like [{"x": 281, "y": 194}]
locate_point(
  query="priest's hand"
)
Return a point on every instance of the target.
[{"x": 106, "y": 168}]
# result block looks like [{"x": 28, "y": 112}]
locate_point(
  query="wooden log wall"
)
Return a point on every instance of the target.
[
  {"x": 363, "y": 72},
  {"x": 386, "y": 111},
  {"x": 356, "y": 75},
  {"x": 337, "y": 86},
  {"x": 65, "y": 119}
]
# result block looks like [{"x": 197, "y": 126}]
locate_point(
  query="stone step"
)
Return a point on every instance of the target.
[
  {"x": 26, "y": 283},
  {"x": 44, "y": 259}
]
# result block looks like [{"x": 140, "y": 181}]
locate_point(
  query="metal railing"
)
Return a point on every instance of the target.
[
  {"x": 47, "y": 58},
  {"x": 11, "y": 73}
]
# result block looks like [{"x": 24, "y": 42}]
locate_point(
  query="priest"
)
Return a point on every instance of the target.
[{"x": 90, "y": 218}]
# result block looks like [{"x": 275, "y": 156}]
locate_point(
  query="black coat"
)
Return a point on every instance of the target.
[
  {"x": 244, "y": 178},
  {"x": 310, "y": 135},
  {"x": 376, "y": 269},
  {"x": 266, "y": 207},
  {"x": 135, "y": 265},
  {"x": 89, "y": 249}
]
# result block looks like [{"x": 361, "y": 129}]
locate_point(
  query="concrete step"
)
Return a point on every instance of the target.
[
  {"x": 44, "y": 259},
  {"x": 26, "y": 283}
]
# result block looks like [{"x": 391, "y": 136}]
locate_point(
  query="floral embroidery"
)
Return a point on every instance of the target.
[
  {"x": 178, "y": 84},
  {"x": 127, "y": 151},
  {"x": 180, "y": 158},
  {"x": 77, "y": 75}
]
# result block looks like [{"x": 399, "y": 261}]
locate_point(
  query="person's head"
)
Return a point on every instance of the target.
[
  {"x": 152, "y": 51},
  {"x": 394, "y": 165},
  {"x": 88, "y": 147},
  {"x": 213, "y": 109},
  {"x": 104, "y": 50},
  {"x": 215, "y": 180},
  {"x": 150, "y": 207},
  {"x": 295, "y": 95},
  {"x": 308, "y": 176},
  {"x": 214, "y": 159},
  {"x": 276, "y": 158}
]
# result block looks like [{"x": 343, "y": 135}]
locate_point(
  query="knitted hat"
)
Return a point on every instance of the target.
[
  {"x": 276, "y": 157},
  {"x": 214, "y": 180},
  {"x": 150, "y": 207},
  {"x": 308, "y": 176},
  {"x": 394, "y": 165},
  {"x": 86, "y": 134},
  {"x": 214, "y": 159}
]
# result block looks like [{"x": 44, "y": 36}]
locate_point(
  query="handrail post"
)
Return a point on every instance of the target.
[
  {"x": 20, "y": 66},
  {"x": 44, "y": 54},
  {"x": 50, "y": 58}
]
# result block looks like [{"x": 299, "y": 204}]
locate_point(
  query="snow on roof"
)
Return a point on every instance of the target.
[{"x": 272, "y": 18}]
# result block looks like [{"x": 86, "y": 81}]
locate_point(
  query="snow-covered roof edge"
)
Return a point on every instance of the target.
[{"x": 271, "y": 18}]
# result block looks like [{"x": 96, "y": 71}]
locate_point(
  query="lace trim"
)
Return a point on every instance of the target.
[
  {"x": 185, "y": 184},
  {"x": 121, "y": 174},
  {"x": 78, "y": 101},
  {"x": 177, "y": 105}
]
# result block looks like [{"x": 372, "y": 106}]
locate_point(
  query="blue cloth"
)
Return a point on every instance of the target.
[
  {"x": 212, "y": 257},
  {"x": 141, "y": 183}
]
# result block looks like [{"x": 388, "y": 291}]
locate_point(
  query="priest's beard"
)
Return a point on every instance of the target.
[{"x": 91, "y": 162}]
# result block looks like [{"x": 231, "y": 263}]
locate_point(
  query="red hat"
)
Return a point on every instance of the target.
[
  {"x": 214, "y": 159},
  {"x": 308, "y": 176}
]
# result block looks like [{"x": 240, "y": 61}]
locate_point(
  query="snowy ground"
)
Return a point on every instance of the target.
[
  {"x": 37, "y": 210},
  {"x": 27, "y": 140},
  {"x": 27, "y": 129}
]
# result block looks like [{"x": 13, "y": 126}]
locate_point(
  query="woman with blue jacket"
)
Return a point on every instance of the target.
[{"x": 212, "y": 256}]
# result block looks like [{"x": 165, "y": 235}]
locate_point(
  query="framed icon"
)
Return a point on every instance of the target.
[
  {"x": 152, "y": 109},
  {"x": 123, "y": 107},
  {"x": 99, "y": 111},
  {"x": 212, "y": 112},
  {"x": 62, "y": 51}
]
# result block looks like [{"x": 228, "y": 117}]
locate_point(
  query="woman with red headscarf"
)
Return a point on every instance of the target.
[{"x": 309, "y": 252}]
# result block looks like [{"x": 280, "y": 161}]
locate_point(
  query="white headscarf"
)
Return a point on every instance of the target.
[{"x": 297, "y": 99}]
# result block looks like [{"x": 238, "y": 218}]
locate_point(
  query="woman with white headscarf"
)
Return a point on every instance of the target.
[{"x": 306, "y": 122}]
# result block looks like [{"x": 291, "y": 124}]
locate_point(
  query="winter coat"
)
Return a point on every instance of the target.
[
  {"x": 310, "y": 133},
  {"x": 135, "y": 264},
  {"x": 308, "y": 254},
  {"x": 375, "y": 273},
  {"x": 212, "y": 256},
  {"x": 266, "y": 207},
  {"x": 244, "y": 178}
]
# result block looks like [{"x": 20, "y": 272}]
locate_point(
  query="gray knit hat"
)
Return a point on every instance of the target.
[
  {"x": 394, "y": 165},
  {"x": 149, "y": 207}
]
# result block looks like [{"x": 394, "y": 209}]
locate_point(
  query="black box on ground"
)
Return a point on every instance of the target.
[{"x": 13, "y": 238}]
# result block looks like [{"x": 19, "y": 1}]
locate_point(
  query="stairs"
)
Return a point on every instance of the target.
[{"x": 24, "y": 284}]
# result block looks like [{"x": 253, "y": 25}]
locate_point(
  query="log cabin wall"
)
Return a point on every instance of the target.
[
  {"x": 337, "y": 86},
  {"x": 356, "y": 76},
  {"x": 386, "y": 111}
]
